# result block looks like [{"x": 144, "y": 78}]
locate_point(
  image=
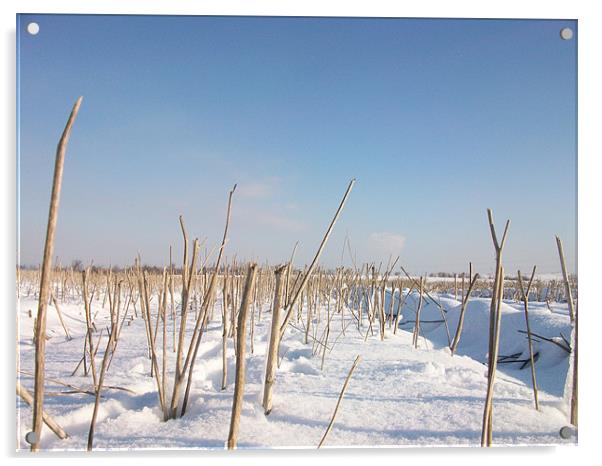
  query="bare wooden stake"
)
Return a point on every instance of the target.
[
  {"x": 45, "y": 279},
  {"x": 270, "y": 370},
  {"x": 456, "y": 341},
  {"x": 494, "y": 328},
  {"x": 100, "y": 381},
  {"x": 416, "y": 333},
  {"x": 574, "y": 391},
  {"x": 239, "y": 381},
  {"x": 525, "y": 295},
  {"x": 58, "y": 311}
]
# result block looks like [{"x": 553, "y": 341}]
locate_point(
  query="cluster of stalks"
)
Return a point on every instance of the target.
[{"x": 369, "y": 299}]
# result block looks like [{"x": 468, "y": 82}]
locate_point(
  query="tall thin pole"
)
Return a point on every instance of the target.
[
  {"x": 40, "y": 350},
  {"x": 241, "y": 341}
]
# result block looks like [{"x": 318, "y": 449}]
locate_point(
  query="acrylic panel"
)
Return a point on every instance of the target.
[{"x": 299, "y": 232}]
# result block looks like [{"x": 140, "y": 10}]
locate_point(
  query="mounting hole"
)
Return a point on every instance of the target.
[
  {"x": 566, "y": 33},
  {"x": 566, "y": 432},
  {"x": 33, "y": 28},
  {"x": 31, "y": 437}
]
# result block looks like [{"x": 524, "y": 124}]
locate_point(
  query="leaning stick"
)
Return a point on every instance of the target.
[
  {"x": 336, "y": 409},
  {"x": 456, "y": 341},
  {"x": 567, "y": 285},
  {"x": 574, "y": 391},
  {"x": 525, "y": 295},
  {"x": 400, "y": 305},
  {"x": 288, "y": 273},
  {"x": 239, "y": 381},
  {"x": 441, "y": 309},
  {"x": 200, "y": 322},
  {"x": 154, "y": 363},
  {"x": 51, "y": 423},
  {"x": 103, "y": 370},
  {"x": 291, "y": 304},
  {"x": 40, "y": 331},
  {"x": 58, "y": 311}
]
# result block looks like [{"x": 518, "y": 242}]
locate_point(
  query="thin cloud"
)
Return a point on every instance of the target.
[
  {"x": 253, "y": 217},
  {"x": 386, "y": 242},
  {"x": 255, "y": 190}
]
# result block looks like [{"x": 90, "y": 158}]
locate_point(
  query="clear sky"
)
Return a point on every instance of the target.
[{"x": 437, "y": 119}]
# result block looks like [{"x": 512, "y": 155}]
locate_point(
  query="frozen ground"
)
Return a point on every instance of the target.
[{"x": 398, "y": 395}]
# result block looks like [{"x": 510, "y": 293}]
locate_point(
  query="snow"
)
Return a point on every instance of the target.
[{"x": 397, "y": 396}]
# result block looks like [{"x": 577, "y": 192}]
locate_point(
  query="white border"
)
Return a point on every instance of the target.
[{"x": 590, "y": 38}]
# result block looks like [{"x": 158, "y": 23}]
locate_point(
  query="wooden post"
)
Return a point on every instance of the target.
[
  {"x": 239, "y": 384},
  {"x": 45, "y": 279},
  {"x": 494, "y": 324},
  {"x": 270, "y": 370}
]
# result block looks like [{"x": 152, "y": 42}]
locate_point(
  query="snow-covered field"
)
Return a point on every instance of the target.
[{"x": 398, "y": 395}]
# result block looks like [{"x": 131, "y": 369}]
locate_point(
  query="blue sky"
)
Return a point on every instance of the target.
[{"x": 437, "y": 119}]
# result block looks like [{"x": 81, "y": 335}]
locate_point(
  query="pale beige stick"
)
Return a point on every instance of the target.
[
  {"x": 89, "y": 324},
  {"x": 160, "y": 297},
  {"x": 225, "y": 330},
  {"x": 270, "y": 370},
  {"x": 239, "y": 381},
  {"x": 565, "y": 276},
  {"x": 287, "y": 291},
  {"x": 495, "y": 305},
  {"x": 152, "y": 346},
  {"x": 336, "y": 409},
  {"x": 58, "y": 311},
  {"x": 291, "y": 304},
  {"x": 525, "y": 295},
  {"x": 180, "y": 370},
  {"x": 417, "y": 321},
  {"x": 171, "y": 294},
  {"x": 465, "y": 298},
  {"x": 163, "y": 311},
  {"x": 494, "y": 357},
  {"x": 103, "y": 369},
  {"x": 200, "y": 322},
  {"x": 51, "y": 423},
  {"x": 574, "y": 390},
  {"x": 45, "y": 279}
]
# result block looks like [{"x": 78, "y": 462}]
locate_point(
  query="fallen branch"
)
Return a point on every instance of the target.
[{"x": 51, "y": 423}]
